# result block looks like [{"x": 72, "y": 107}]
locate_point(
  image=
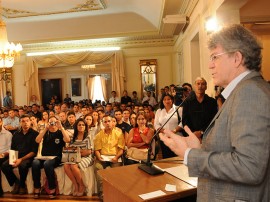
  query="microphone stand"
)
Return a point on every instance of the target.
[{"x": 148, "y": 166}]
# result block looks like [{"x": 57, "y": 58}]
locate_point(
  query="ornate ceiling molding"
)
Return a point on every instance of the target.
[
  {"x": 123, "y": 42},
  {"x": 88, "y": 5}
]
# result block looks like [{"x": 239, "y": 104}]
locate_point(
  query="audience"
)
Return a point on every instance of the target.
[{"x": 130, "y": 121}]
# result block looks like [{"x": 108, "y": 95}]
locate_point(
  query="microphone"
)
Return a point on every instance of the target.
[{"x": 148, "y": 166}]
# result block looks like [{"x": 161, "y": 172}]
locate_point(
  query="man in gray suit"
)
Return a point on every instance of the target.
[{"x": 233, "y": 163}]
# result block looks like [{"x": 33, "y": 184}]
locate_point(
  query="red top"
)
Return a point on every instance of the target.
[{"x": 137, "y": 137}]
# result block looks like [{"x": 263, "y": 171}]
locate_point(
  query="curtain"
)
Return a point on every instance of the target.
[
  {"x": 32, "y": 63},
  {"x": 118, "y": 73},
  {"x": 103, "y": 86},
  {"x": 90, "y": 87},
  {"x": 3, "y": 90},
  {"x": 31, "y": 79}
]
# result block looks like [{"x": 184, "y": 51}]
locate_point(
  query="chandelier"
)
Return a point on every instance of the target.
[
  {"x": 8, "y": 51},
  {"x": 88, "y": 67}
]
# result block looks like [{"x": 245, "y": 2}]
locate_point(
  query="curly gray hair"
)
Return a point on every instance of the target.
[{"x": 237, "y": 38}]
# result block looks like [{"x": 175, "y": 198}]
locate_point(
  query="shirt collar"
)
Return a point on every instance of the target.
[{"x": 227, "y": 91}]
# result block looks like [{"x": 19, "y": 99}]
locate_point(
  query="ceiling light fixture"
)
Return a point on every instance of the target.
[
  {"x": 211, "y": 25},
  {"x": 8, "y": 51},
  {"x": 88, "y": 67}
]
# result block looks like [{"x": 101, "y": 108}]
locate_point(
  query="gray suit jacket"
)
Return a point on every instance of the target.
[{"x": 234, "y": 162}]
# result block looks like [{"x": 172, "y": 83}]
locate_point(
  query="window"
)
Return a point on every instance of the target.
[{"x": 98, "y": 92}]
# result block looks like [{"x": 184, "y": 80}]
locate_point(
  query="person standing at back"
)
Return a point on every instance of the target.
[
  {"x": 199, "y": 110},
  {"x": 7, "y": 101},
  {"x": 233, "y": 162}
]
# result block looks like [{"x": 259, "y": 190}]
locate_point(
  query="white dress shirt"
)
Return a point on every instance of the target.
[
  {"x": 162, "y": 116},
  {"x": 5, "y": 140}
]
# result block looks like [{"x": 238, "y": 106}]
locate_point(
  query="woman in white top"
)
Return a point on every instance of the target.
[{"x": 167, "y": 108}]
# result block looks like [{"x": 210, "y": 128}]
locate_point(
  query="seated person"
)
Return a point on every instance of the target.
[
  {"x": 11, "y": 123},
  {"x": 83, "y": 140},
  {"x": 24, "y": 142},
  {"x": 140, "y": 136},
  {"x": 54, "y": 137},
  {"x": 43, "y": 122},
  {"x": 5, "y": 143},
  {"x": 109, "y": 142}
]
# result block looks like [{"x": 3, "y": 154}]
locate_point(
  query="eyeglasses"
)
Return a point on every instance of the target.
[
  {"x": 81, "y": 124},
  {"x": 216, "y": 56}
]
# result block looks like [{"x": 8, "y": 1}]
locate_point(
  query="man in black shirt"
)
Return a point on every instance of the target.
[
  {"x": 121, "y": 124},
  {"x": 24, "y": 142},
  {"x": 125, "y": 99},
  {"x": 35, "y": 111},
  {"x": 199, "y": 110}
]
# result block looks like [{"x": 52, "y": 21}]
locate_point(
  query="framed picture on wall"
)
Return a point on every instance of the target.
[
  {"x": 76, "y": 87},
  {"x": 148, "y": 76}
]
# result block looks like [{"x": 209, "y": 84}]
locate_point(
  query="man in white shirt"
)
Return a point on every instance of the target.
[
  {"x": 76, "y": 110},
  {"x": 5, "y": 143},
  {"x": 114, "y": 99},
  {"x": 150, "y": 99},
  {"x": 233, "y": 162}
]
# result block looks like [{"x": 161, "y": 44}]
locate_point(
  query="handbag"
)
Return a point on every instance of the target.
[
  {"x": 136, "y": 153},
  {"x": 71, "y": 155}
]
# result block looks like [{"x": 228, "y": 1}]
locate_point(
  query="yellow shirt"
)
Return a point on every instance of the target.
[{"x": 109, "y": 144}]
